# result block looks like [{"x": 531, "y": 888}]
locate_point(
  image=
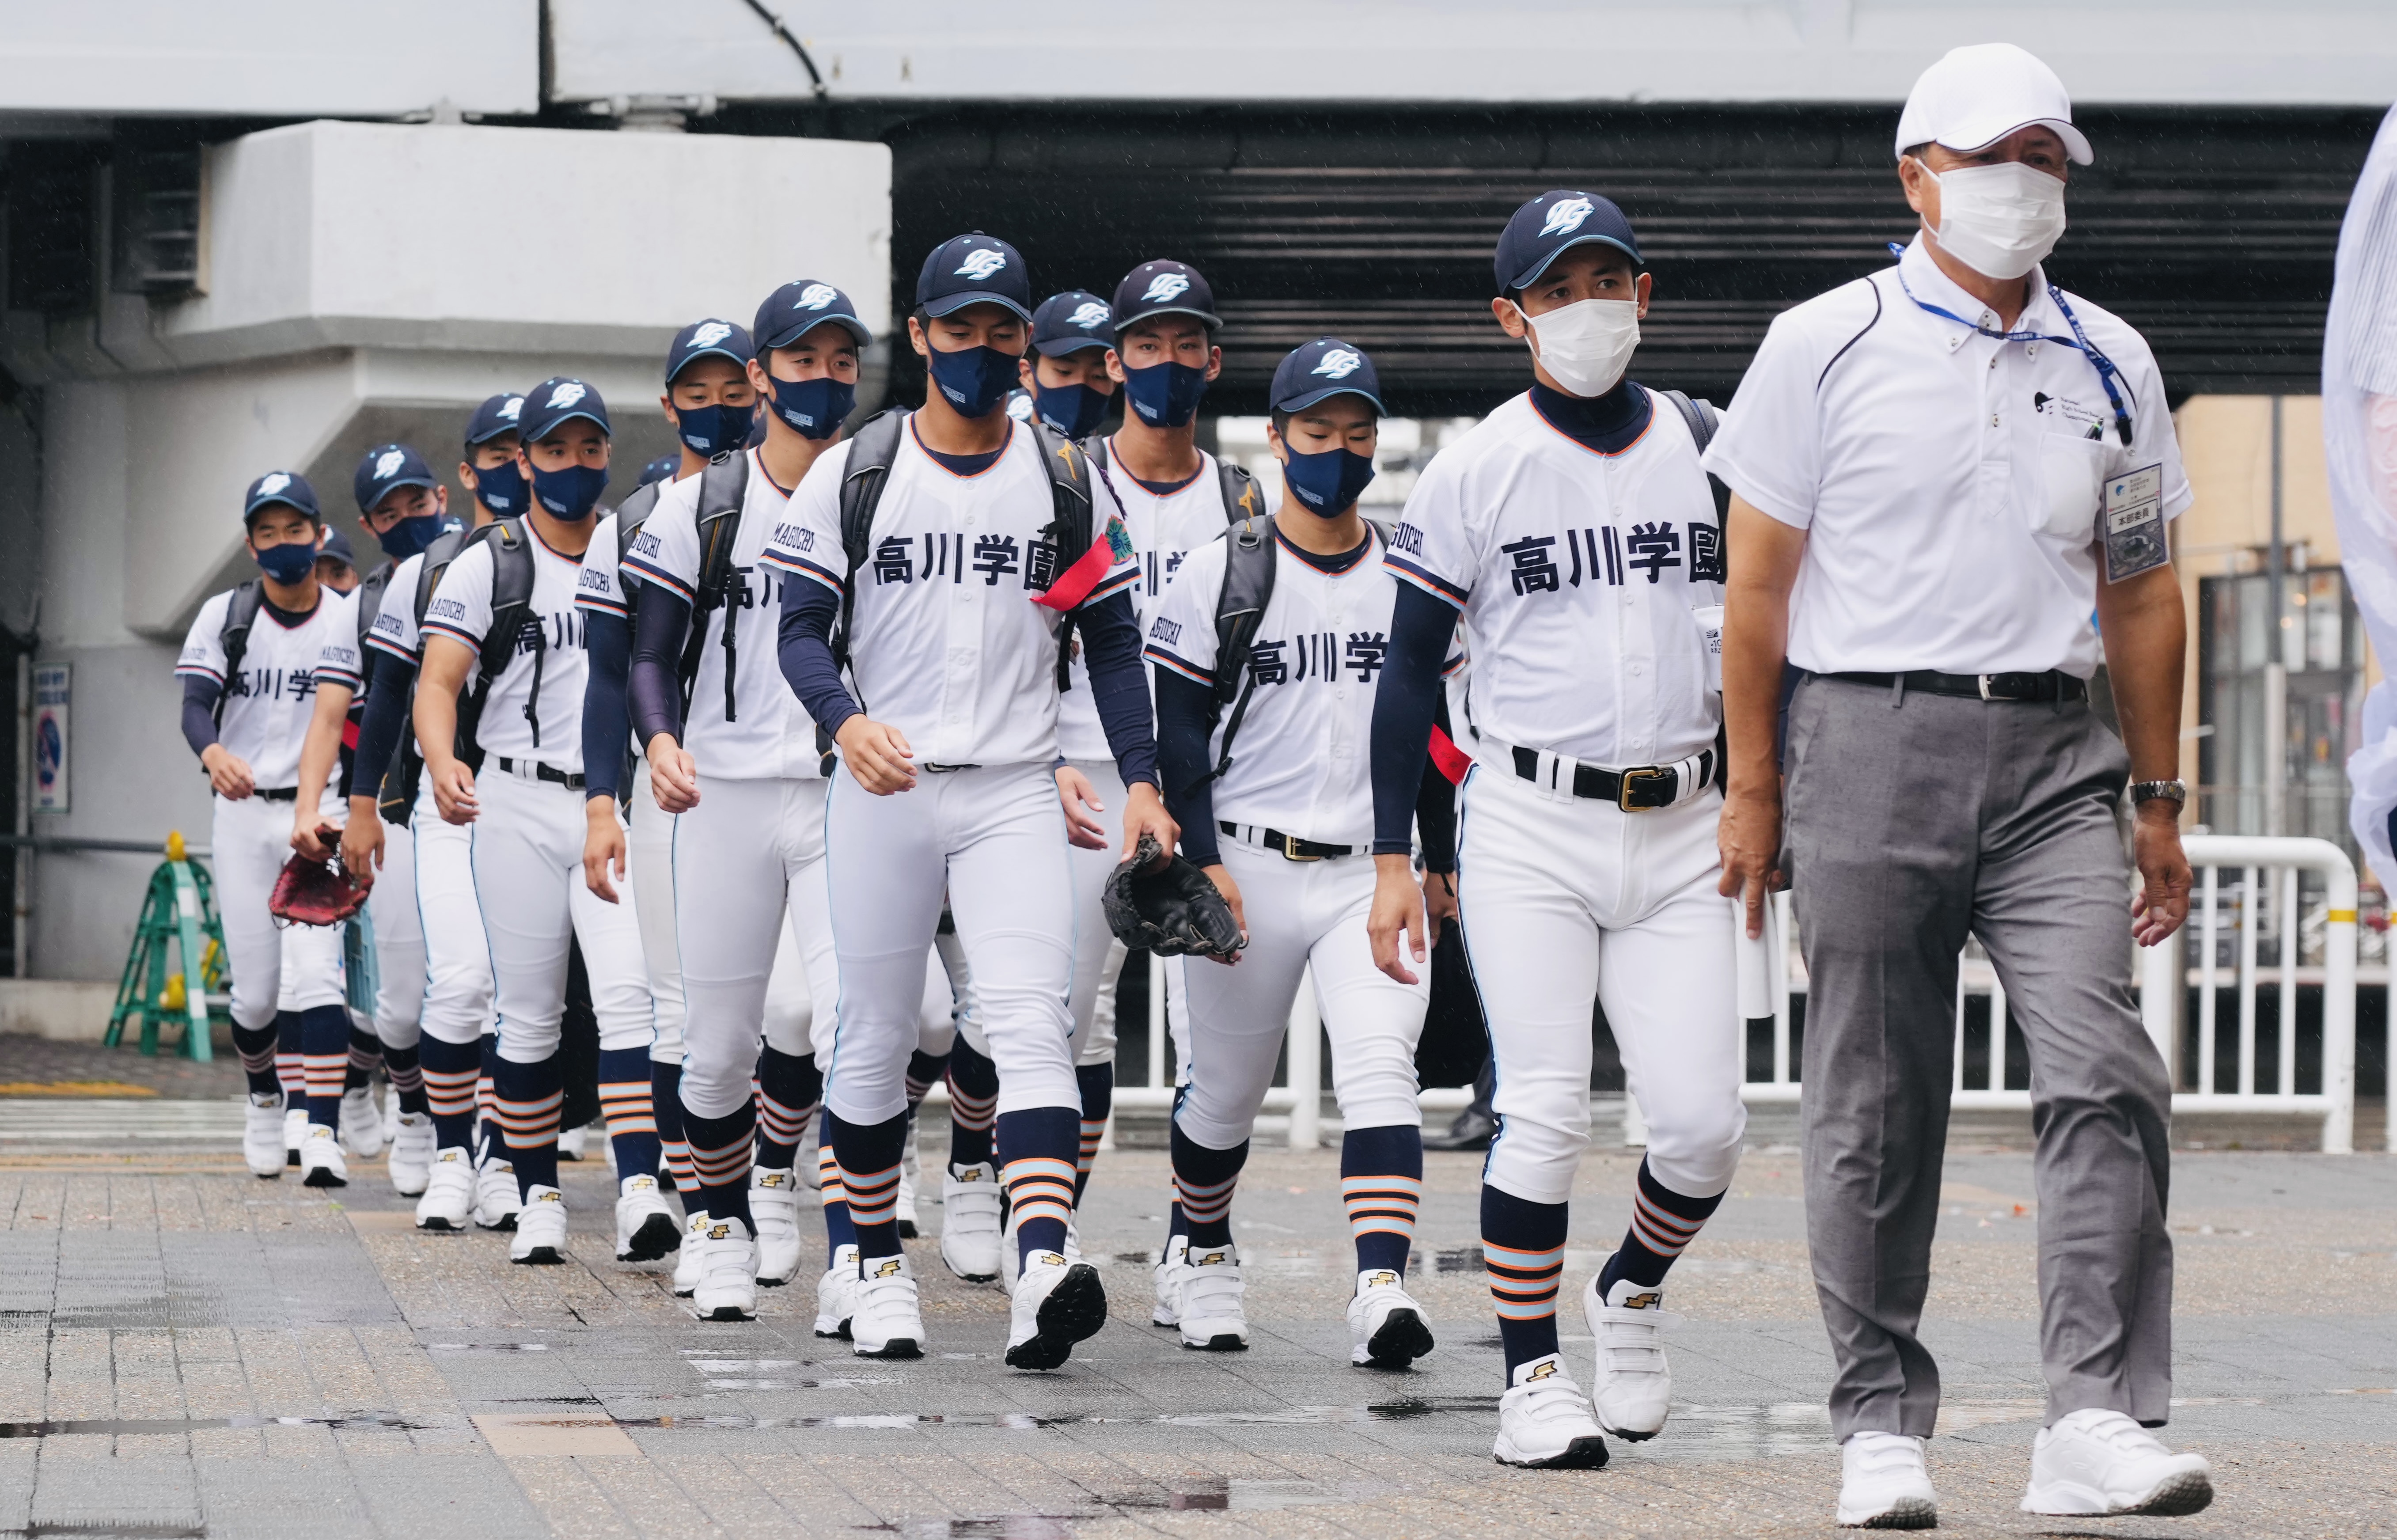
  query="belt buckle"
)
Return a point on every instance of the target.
[
  {"x": 1631, "y": 779},
  {"x": 1290, "y": 850},
  {"x": 1985, "y": 679}
]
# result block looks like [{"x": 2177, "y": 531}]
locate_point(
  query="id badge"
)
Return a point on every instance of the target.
[{"x": 2132, "y": 523}]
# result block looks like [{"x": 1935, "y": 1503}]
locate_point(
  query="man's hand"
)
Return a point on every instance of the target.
[
  {"x": 603, "y": 846},
  {"x": 228, "y": 772},
  {"x": 2162, "y": 903},
  {"x": 362, "y": 841},
  {"x": 1145, "y": 813},
  {"x": 304, "y": 836},
  {"x": 1439, "y": 898},
  {"x": 877, "y": 755},
  {"x": 1749, "y": 839},
  {"x": 1231, "y": 892},
  {"x": 674, "y": 778},
  {"x": 1398, "y": 910},
  {"x": 453, "y": 790},
  {"x": 1075, "y": 794}
]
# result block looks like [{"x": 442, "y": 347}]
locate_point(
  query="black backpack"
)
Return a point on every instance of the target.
[
  {"x": 512, "y": 621},
  {"x": 233, "y": 640},
  {"x": 1238, "y": 488},
  {"x": 1703, "y": 420},
  {"x": 723, "y": 488}
]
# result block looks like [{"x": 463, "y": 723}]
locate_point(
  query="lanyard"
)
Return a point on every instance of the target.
[{"x": 2079, "y": 342}]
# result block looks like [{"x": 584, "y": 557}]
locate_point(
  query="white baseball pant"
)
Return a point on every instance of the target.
[
  {"x": 399, "y": 942},
  {"x": 1301, "y": 916},
  {"x": 649, "y": 857},
  {"x": 457, "y": 1007},
  {"x": 274, "y": 967},
  {"x": 1564, "y": 898},
  {"x": 1098, "y": 956}
]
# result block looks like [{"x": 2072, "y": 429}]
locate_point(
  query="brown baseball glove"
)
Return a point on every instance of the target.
[{"x": 316, "y": 892}]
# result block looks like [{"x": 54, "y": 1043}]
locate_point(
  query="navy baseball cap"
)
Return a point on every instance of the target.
[
  {"x": 1324, "y": 368},
  {"x": 493, "y": 418},
  {"x": 557, "y": 400},
  {"x": 1552, "y": 223},
  {"x": 337, "y": 545},
  {"x": 1164, "y": 288},
  {"x": 659, "y": 469},
  {"x": 800, "y": 306},
  {"x": 971, "y": 269},
  {"x": 387, "y": 466},
  {"x": 707, "y": 339},
  {"x": 280, "y": 487},
  {"x": 1072, "y": 321}
]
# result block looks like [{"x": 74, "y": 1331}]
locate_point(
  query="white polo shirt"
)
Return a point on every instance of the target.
[{"x": 1948, "y": 482}]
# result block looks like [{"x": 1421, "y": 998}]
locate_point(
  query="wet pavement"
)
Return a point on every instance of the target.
[{"x": 185, "y": 1350}]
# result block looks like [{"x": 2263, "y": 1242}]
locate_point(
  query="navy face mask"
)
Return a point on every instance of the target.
[
  {"x": 570, "y": 494},
  {"x": 974, "y": 381},
  {"x": 409, "y": 536},
  {"x": 502, "y": 488},
  {"x": 1328, "y": 483},
  {"x": 815, "y": 408},
  {"x": 712, "y": 430},
  {"x": 1074, "y": 411},
  {"x": 287, "y": 563},
  {"x": 1165, "y": 395}
]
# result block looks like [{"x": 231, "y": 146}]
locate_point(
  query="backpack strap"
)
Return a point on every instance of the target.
[
  {"x": 1249, "y": 563},
  {"x": 1703, "y": 420},
  {"x": 241, "y": 613},
  {"x": 1242, "y": 500},
  {"x": 1072, "y": 527},
  {"x": 370, "y": 602},
  {"x": 631, "y": 515},
  {"x": 871, "y": 450},
  {"x": 512, "y": 616},
  {"x": 723, "y": 486}
]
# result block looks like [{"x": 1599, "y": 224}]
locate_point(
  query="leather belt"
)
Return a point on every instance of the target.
[
  {"x": 2054, "y": 685},
  {"x": 1643, "y": 788},
  {"x": 933, "y": 768},
  {"x": 276, "y": 794},
  {"x": 1289, "y": 846},
  {"x": 532, "y": 770}
]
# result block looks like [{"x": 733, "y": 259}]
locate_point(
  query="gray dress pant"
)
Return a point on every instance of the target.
[{"x": 1912, "y": 822}]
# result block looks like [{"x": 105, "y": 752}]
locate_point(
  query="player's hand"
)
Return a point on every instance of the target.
[
  {"x": 877, "y": 754},
  {"x": 362, "y": 842},
  {"x": 1439, "y": 898},
  {"x": 453, "y": 791},
  {"x": 304, "y": 840},
  {"x": 1075, "y": 793},
  {"x": 1231, "y": 892},
  {"x": 229, "y": 774},
  {"x": 603, "y": 846},
  {"x": 1398, "y": 910},
  {"x": 1749, "y": 839},
  {"x": 674, "y": 776},
  {"x": 2162, "y": 903},
  {"x": 1145, "y": 813}
]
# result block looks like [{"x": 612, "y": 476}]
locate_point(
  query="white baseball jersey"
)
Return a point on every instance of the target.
[
  {"x": 1302, "y": 763},
  {"x": 601, "y": 585},
  {"x": 551, "y": 731},
  {"x": 769, "y": 735},
  {"x": 1577, "y": 573},
  {"x": 268, "y": 704},
  {"x": 395, "y": 624},
  {"x": 947, "y": 644}
]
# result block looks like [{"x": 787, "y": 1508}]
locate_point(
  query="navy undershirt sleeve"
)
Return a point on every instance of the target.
[
  {"x": 1436, "y": 803},
  {"x": 803, "y": 643},
  {"x": 1421, "y": 628},
  {"x": 1184, "y": 723},
  {"x": 608, "y": 647},
  {"x": 1119, "y": 685},
  {"x": 199, "y": 711},
  {"x": 661, "y": 621},
  {"x": 385, "y": 719}
]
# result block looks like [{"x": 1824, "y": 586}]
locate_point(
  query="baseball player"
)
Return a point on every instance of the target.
[
  {"x": 1064, "y": 375},
  {"x": 951, "y": 590},
  {"x": 504, "y": 615},
  {"x": 249, "y": 668},
  {"x": 1284, "y": 823},
  {"x": 1576, "y": 533}
]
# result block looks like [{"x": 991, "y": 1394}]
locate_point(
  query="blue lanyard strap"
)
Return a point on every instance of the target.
[{"x": 2079, "y": 342}]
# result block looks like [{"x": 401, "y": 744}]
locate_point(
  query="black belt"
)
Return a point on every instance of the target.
[
  {"x": 570, "y": 780},
  {"x": 1641, "y": 789},
  {"x": 2054, "y": 685},
  {"x": 1290, "y": 847},
  {"x": 279, "y": 794}
]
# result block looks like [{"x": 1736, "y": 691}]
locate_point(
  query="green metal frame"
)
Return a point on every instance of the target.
[{"x": 179, "y": 909}]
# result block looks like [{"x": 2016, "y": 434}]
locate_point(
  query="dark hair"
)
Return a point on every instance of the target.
[
  {"x": 1281, "y": 422},
  {"x": 1915, "y": 151}
]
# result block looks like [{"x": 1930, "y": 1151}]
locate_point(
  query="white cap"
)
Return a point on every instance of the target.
[{"x": 1978, "y": 95}]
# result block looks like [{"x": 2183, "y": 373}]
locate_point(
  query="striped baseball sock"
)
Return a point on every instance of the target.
[
  {"x": 868, "y": 1157},
  {"x": 1523, "y": 1246},
  {"x": 366, "y": 1054},
  {"x": 788, "y": 1090},
  {"x": 526, "y": 1100},
  {"x": 1098, "y": 1083},
  {"x": 1041, "y": 1143},
  {"x": 325, "y": 1050},
  {"x": 924, "y": 1071},
  {"x": 290, "y": 1061},
  {"x": 1380, "y": 1182},
  {"x": 256, "y": 1046},
  {"x": 450, "y": 1070},
  {"x": 406, "y": 1068},
  {"x": 719, "y": 1155},
  {"x": 973, "y": 1105},
  {"x": 838, "y": 1230},
  {"x": 1663, "y": 1222},
  {"x": 665, "y": 1105},
  {"x": 631, "y": 1116},
  {"x": 1203, "y": 1180}
]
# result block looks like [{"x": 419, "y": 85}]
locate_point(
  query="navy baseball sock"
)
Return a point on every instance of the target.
[
  {"x": 624, "y": 1103},
  {"x": 924, "y": 1071},
  {"x": 838, "y": 1229},
  {"x": 1523, "y": 1246},
  {"x": 526, "y": 1100},
  {"x": 1663, "y": 1222},
  {"x": 868, "y": 1157},
  {"x": 1098, "y": 1083},
  {"x": 366, "y": 1052},
  {"x": 1203, "y": 1180},
  {"x": 488, "y": 1145},
  {"x": 788, "y": 1090},
  {"x": 406, "y": 1068},
  {"x": 325, "y": 1049},
  {"x": 719, "y": 1155},
  {"x": 256, "y": 1046},
  {"x": 1041, "y": 1143},
  {"x": 973, "y": 1105},
  {"x": 450, "y": 1070},
  {"x": 290, "y": 1061},
  {"x": 1381, "y": 1184},
  {"x": 665, "y": 1104}
]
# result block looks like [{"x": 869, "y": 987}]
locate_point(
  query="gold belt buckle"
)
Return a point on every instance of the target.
[
  {"x": 1290, "y": 850},
  {"x": 1631, "y": 779}
]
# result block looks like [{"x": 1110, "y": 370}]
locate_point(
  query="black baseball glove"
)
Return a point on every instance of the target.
[{"x": 1171, "y": 910}]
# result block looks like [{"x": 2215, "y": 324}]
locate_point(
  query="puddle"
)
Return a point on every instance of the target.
[
  {"x": 1463, "y": 1259},
  {"x": 136, "y": 1426},
  {"x": 1295, "y": 1416},
  {"x": 487, "y": 1348},
  {"x": 1205, "y": 1494}
]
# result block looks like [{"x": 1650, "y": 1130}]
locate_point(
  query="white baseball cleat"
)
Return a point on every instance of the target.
[
  {"x": 1386, "y": 1326},
  {"x": 361, "y": 1123},
  {"x": 884, "y": 1321},
  {"x": 728, "y": 1273},
  {"x": 1882, "y": 1484},
  {"x": 1055, "y": 1304},
  {"x": 412, "y": 1153},
  {"x": 685, "y": 1273},
  {"x": 2095, "y": 1462},
  {"x": 1635, "y": 1385},
  {"x": 540, "y": 1229},
  {"x": 1209, "y": 1307},
  {"x": 645, "y": 1226},
  {"x": 573, "y": 1143},
  {"x": 1166, "y": 1279},
  {"x": 448, "y": 1201},
  {"x": 774, "y": 1204},
  {"x": 261, "y": 1135},
  {"x": 1545, "y": 1421},
  {"x": 390, "y": 1114},
  {"x": 970, "y": 1222},
  {"x": 911, "y": 1170},
  {"x": 320, "y": 1158},
  {"x": 837, "y": 1293},
  {"x": 295, "y": 1130},
  {"x": 496, "y": 1197}
]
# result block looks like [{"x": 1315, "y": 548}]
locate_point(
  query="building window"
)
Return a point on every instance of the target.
[{"x": 2322, "y": 648}]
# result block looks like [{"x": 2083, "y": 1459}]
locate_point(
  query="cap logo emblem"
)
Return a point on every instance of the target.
[
  {"x": 710, "y": 333},
  {"x": 387, "y": 464},
  {"x": 1020, "y": 407},
  {"x": 567, "y": 393},
  {"x": 1566, "y": 217},
  {"x": 817, "y": 296},
  {"x": 509, "y": 407},
  {"x": 1090, "y": 312},
  {"x": 1166, "y": 285},
  {"x": 1339, "y": 364},
  {"x": 981, "y": 262},
  {"x": 272, "y": 482}
]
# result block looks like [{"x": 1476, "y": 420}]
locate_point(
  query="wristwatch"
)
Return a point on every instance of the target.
[{"x": 2176, "y": 792}]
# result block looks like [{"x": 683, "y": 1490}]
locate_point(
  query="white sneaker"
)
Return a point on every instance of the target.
[
  {"x": 1635, "y": 1386},
  {"x": 496, "y": 1198},
  {"x": 911, "y": 1170},
  {"x": 361, "y": 1123},
  {"x": 1882, "y": 1484},
  {"x": 836, "y": 1294},
  {"x": 572, "y": 1142},
  {"x": 1386, "y": 1326},
  {"x": 645, "y": 1226},
  {"x": 884, "y": 1321},
  {"x": 320, "y": 1158},
  {"x": 970, "y": 1222},
  {"x": 390, "y": 1114},
  {"x": 261, "y": 1135},
  {"x": 728, "y": 1273},
  {"x": 540, "y": 1229},
  {"x": 685, "y": 1273},
  {"x": 1545, "y": 1422},
  {"x": 1166, "y": 1279},
  {"x": 1055, "y": 1304},
  {"x": 449, "y": 1200},
  {"x": 412, "y": 1153},
  {"x": 774, "y": 1204},
  {"x": 2095, "y": 1462},
  {"x": 1209, "y": 1307},
  {"x": 295, "y": 1131},
  {"x": 1074, "y": 1240}
]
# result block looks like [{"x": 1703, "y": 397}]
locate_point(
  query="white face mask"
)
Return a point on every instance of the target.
[
  {"x": 1585, "y": 345},
  {"x": 1999, "y": 220}
]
